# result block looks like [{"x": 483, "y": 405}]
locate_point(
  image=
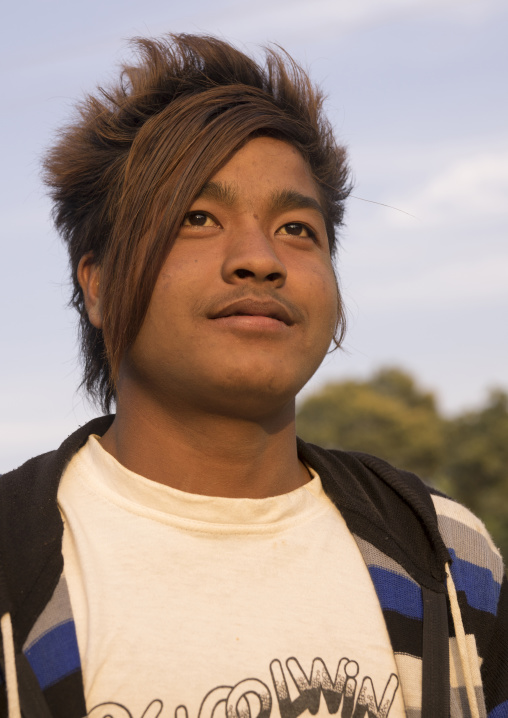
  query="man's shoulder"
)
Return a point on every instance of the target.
[
  {"x": 31, "y": 527},
  {"x": 471, "y": 548},
  {"x": 385, "y": 506},
  {"x": 53, "y": 462},
  {"x": 465, "y": 536},
  {"x": 370, "y": 472},
  {"x": 28, "y": 494},
  {"x": 14, "y": 477}
]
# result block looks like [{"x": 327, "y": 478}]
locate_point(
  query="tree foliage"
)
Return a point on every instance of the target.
[
  {"x": 476, "y": 467},
  {"x": 390, "y": 416}
]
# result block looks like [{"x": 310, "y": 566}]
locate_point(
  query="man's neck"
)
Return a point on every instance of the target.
[{"x": 212, "y": 455}]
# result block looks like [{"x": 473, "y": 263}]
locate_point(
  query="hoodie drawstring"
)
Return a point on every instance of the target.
[
  {"x": 11, "y": 678},
  {"x": 460, "y": 636}
]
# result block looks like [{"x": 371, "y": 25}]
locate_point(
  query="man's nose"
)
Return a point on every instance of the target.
[{"x": 251, "y": 255}]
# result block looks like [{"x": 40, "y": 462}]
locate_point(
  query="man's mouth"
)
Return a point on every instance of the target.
[{"x": 269, "y": 309}]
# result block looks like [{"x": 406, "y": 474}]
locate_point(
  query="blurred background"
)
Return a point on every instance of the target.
[{"x": 418, "y": 92}]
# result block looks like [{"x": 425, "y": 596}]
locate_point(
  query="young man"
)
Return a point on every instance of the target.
[{"x": 189, "y": 556}]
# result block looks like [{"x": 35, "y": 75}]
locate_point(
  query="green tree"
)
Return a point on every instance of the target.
[
  {"x": 388, "y": 416},
  {"x": 475, "y": 471}
]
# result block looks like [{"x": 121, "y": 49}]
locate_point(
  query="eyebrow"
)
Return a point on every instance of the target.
[
  {"x": 288, "y": 199},
  {"x": 280, "y": 201},
  {"x": 224, "y": 193}
]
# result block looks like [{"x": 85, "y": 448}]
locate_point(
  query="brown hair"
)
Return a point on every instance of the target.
[{"x": 123, "y": 175}]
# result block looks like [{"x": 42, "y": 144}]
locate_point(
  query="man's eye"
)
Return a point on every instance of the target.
[
  {"x": 296, "y": 229},
  {"x": 198, "y": 219}
]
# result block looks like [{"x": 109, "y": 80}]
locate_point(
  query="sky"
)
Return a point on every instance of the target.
[{"x": 417, "y": 92}]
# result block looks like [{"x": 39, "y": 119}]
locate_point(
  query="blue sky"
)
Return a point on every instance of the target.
[{"x": 416, "y": 90}]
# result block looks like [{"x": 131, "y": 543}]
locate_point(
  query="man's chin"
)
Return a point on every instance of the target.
[
  {"x": 256, "y": 390},
  {"x": 252, "y": 400}
]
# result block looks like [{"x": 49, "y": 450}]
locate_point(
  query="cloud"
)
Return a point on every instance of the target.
[
  {"x": 477, "y": 186},
  {"x": 455, "y": 255},
  {"x": 467, "y": 192}
]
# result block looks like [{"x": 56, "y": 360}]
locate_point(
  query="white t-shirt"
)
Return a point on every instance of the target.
[{"x": 190, "y": 606}]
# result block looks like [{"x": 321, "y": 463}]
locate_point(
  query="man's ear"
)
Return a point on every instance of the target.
[{"x": 89, "y": 280}]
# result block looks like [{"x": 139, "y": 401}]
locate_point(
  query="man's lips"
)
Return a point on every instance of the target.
[{"x": 256, "y": 308}]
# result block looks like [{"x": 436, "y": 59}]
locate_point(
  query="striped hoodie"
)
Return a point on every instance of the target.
[{"x": 439, "y": 579}]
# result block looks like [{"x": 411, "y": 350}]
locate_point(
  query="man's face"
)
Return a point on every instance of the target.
[{"x": 245, "y": 305}]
